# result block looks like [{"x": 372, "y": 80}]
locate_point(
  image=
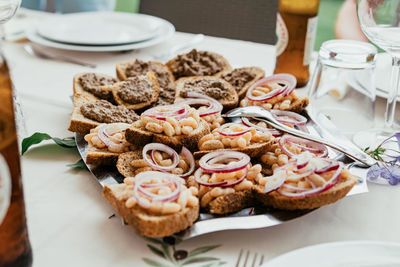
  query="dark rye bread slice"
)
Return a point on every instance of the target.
[
  {"x": 138, "y": 135},
  {"x": 124, "y": 162},
  {"x": 100, "y": 156},
  {"x": 198, "y": 63},
  {"x": 242, "y": 78},
  {"x": 333, "y": 194},
  {"x": 145, "y": 223},
  {"x": 101, "y": 93},
  {"x": 155, "y": 91},
  {"x": 253, "y": 150},
  {"x": 228, "y": 203},
  {"x": 298, "y": 104},
  {"x": 230, "y": 101}
]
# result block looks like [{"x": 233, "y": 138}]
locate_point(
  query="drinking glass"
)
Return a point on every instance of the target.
[
  {"x": 335, "y": 93},
  {"x": 380, "y": 22}
]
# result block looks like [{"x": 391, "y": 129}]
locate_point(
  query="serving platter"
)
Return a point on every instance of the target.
[{"x": 250, "y": 218}]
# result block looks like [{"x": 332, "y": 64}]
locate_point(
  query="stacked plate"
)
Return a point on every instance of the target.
[{"x": 100, "y": 31}]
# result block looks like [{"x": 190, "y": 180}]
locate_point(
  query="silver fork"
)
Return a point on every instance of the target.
[
  {"x": 249, "y": 258},
  {"x": 35, "y": 52}
]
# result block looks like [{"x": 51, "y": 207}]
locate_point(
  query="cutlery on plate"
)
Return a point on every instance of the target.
[
  {"x": 40, "y": 54},
  {"x": 249, "y": 258},
  {"x": 265, "y": 115},
  {"x": 179, "y": 47}
]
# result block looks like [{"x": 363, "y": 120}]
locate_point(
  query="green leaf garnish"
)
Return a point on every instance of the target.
[
  {"x": 376, "y": 153},
  {"x": 37, "y": 138},
  {"x": 202, "y": 250},
  {"x": 80, "y": 164}
]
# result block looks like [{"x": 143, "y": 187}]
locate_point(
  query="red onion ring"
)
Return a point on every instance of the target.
[
  {"x": 140, "y": 187},
  {"x": 331, "y": 165},
  {"x": 223, "y": 184},
  {"x": 194, "y": 98},
  {"x": 331, "y": 182},
  {"x": 185, "y": 152},
  {"x": 305, "y": 145},
  {"x": 107, "y": 139},
  {"x": 218, "y": 156},
  {"x": 160, "y": 147},
  {"x": 272, "y": 131},
  {"x": 288, "y": 80},
  {"x": 177, "y": 112},
  {"x": 227, "y": 125}
]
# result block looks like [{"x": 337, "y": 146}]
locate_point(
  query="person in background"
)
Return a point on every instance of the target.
[{"x": 347, "y": 26}]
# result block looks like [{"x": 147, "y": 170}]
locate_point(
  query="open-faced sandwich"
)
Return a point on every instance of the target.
[
  {"x": 173, "y": 125},
  {"x": 242, "y": 79},
  {"x": 275, "y": 92},
  {"x": 164, "y": 77},
  {"x": 155, "y": 204},
  {"x": 198, "y": 63},
  {"x": 235, "y": 137}
]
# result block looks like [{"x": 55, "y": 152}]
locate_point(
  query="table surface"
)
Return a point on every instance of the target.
[{"x": 68, "y": 219}]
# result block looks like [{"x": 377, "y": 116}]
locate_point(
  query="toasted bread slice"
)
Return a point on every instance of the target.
[
  {"x": 138, "y": 135},
  {"x": 100, "y": 156},
  {"x": 333, "y": 194},
  {"x": 198, "y": 63},
  {"x": 229, "y": 203},
  {"x": 145, "y": 223},
  {"x": 208, "y": 85},
  {"x": 124, "y": 162},
  {"x": 95, "y": 88},
  {"x": 298, "y": 104},
  {"x": 253, "y": 150},
  {"x": 242, "y": 78},
  {"x": 130, "y": 85}
]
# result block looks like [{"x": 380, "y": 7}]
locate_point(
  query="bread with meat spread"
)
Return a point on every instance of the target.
[
  {"x": 136, "y": 92},
  {"x": 92, "y": 85},
  {"x": 213, "y": 87},
  {"x": 138, "y": 135},
  {"x": 164, "y": 77},
  {"x": 146, "y": 223},
  {"x": 275, "y": 200},
  {"x": 242, "y": 79},
  {"x": 89, "y": 112},
  {"x": 198, "y": 63}
]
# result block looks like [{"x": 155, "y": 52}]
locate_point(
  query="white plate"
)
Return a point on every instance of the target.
[
  {"x": 99, "y": 28},
  {"x": 383, "y": 71},
  {"x": 341, "y": 254},
  {"x": 166, "y": 31}
]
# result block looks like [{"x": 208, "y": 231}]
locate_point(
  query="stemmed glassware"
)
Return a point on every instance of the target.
[
  {"x": 8, "y": 8},
  {"x": 380, "y": 22}
]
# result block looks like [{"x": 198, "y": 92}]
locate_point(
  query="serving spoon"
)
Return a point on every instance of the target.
[{"x": 265, "y": 115}]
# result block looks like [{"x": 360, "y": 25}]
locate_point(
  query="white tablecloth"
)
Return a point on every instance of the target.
[{"x": 68, "y": 219}]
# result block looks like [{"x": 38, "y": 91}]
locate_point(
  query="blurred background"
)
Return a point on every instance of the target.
[{"x": 327, "y": 19}]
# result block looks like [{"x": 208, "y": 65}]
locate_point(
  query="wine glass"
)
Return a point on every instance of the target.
[{"x": 380, "y": 22}]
